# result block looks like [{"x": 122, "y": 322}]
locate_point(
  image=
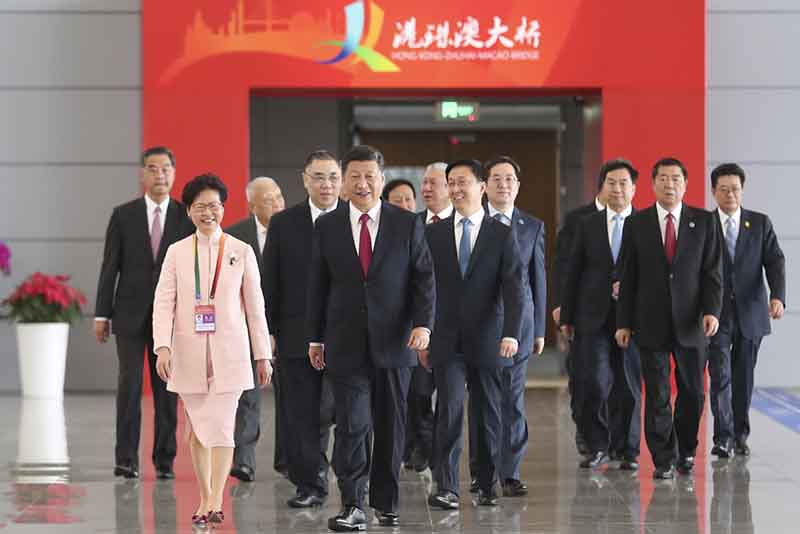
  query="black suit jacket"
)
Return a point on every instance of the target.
[
  {"x": 530, "y": 234},
  {"x": 473, "y": 313},
  {"x": 586, "y": 302},
  {"x": 129, "y": 274},
  {"x": 564, "y": 248},
  {"x": 362, "y": 319},
  {"x": 665, "y": 303},
  {"x": 247, "y": 231},
  {"x": 287, "y": 258},
  {"x": 757, "y": 252}
]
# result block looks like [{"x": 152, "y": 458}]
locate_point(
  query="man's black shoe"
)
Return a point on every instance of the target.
[
  {"x": 305, "y": 500},
  {"x": 387, "y": 519},
  {"x": 418, "y": 462},
  {"x": 473, "y": 486},
  {"x": 595, "y": 459},
  {"x": 487, "y": 497},
  {"x": 514, "y": 488},
  {"x": 580, "y": 444},
  {"x": 723, "y": 449},
  {"x": 127, "y": 471},
  {"x": 741, "y": 447},
  {"x": 664, "y": 473},
  {"x": 446, "y": 500},
  {"x": 165, "y": 473},
  {"x": 686, "y": 465},
  {"x": 243, "y": 472},
  {"x": 350, "y": 519},
  {"x": 628, "y": 463}
]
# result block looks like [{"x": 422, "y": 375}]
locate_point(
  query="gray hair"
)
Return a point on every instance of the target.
[
  {"x": 437, "y": 166},
  {"x": 254, "y": 182}
]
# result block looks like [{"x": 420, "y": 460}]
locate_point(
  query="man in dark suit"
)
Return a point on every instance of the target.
[
  {"x": 137, "y": 238},
  {"x": 670, "y": 298},
  {"x": 502, "y": 188},
  {"x": 480, "y": 293},
  {"x": 750, "y": 250},
  {"x": 421, "y": 417},
  {"x": 264, "y": 199},
  {"x": 306, "y": 400},
  {"x": 588, "y": 316},
  {"x": 566, "y": 236},
  {"x": 371, "y": 299}
]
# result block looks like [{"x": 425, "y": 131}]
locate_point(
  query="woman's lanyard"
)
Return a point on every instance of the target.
[{"x": 204, "y": 316}]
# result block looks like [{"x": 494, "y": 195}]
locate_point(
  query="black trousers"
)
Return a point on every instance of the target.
[
  {"x": 485, "y": 413},
  {"x": 280, "y": 460},
  {"x": 248, "y": 425},
  {"x": 130, "y": 353},
  {"x": 610, "y": 380},
  {"x": 419, "y": 433},
  {"x": 308, "y": 408},
  {"x": 671, "y": 436},
  {"x": 731, "y": 365},
  {"x": 372, "y": 399},
  {"x": 573, "y": 384}
]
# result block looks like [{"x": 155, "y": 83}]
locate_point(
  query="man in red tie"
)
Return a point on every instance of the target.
[
  {"x": 670, "y": 299},
  {"x": 370, "y": 308}
]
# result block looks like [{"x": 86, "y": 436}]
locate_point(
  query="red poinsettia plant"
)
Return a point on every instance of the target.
[{"x": 45, "y": 299}]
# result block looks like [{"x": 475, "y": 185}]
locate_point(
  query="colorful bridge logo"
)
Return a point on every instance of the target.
[{"x": 354, "y": 31}]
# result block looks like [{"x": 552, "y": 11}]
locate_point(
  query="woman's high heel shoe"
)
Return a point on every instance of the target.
[
  {"x": 199, "y": 520},
  {"x": 216, "y": 517}
]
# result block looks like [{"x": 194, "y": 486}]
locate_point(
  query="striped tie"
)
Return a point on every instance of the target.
[{"x": 730, "y": 236}]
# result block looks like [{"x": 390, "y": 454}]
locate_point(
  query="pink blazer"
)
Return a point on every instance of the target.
[{"x": 238, "y": 303}]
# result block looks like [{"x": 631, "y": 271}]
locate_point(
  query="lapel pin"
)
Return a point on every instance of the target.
[
  {"x": 691, "y": 224},
  {"x": 747, "y": 224}
]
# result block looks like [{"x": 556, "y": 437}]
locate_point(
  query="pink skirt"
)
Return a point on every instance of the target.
[{"x": 212, "y": 416}]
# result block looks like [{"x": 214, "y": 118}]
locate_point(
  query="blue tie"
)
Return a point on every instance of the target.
[
  {"x": 730, "y": 236},
  {"x": 616, "y": 236},
  {"x": 464, "y": 247},
  {"x": 503, "y": 218}
]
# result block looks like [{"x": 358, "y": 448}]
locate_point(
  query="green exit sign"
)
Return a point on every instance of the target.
[{"x": 457, "y": 110}]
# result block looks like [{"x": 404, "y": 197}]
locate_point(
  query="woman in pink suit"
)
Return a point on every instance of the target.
[{"x": 208, "y": 294}]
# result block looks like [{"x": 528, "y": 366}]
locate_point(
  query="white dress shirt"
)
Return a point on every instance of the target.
[
  {"x": 723, "y": 218},
  {"x": 610, "y": 214},
  {"x": 508, "y": 213},
  {"x": 151, "y": 212},
  {"x": 477, "y": 220},
  {"x": 445, "y": 213},
  {"x": 261, "y": 234},
  {"x": 662, "y": 219},
  {"x": 372, "y": 224},
  {"x": 316, "y": 212},
  {"x": 599, "y": 205}
]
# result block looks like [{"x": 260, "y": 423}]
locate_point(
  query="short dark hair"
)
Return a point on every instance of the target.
[
  {"x": 499, "y": 160},
  {"x": 726, "y": 169},
  {"x": 157, "y": 151},
  {"x": 614, "y": 165},
  {"x": 363, "y": 153},
  {"x": 473, "y": 164},
  {"x": 669, "y": 162},
  {"x": 319, "y": 155},
  {"x": 198, "y": 184},
  {"x": 391, "y": 185}
]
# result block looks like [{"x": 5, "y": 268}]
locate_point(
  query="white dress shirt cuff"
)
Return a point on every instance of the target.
[
  {"x": 101, "y": 318},
  {"x": 316, "y": 344},
  {"x": 511, "y": 339}
]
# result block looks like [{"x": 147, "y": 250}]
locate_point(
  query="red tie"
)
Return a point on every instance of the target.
[
  {"x": 669, "y": 238},
  {"x": 364, "y": 245},
  {"x": 435, "y": 219}
]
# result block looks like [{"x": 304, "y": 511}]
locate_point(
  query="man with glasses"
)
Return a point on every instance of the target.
[
  {"x": 305, "y": 401},
  {"x": 138, "y": 235},
  {"x": 264, "y": 199}
]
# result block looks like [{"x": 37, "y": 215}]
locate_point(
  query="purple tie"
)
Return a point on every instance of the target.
[{"x": 155, "y": 232}]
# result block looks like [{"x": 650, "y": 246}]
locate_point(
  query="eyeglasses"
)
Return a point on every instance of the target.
[
  {"x": 508, "y": 179},
  {"x": 729, "y": 190},
  {"x": 319, "y": 177},
  {"x": 212, "y": 206}
]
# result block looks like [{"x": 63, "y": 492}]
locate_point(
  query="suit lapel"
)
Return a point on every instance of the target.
[
  {"x": 480, "y": 244},
  {"x": 382, "y": 239},
  {"x": 252, "y": 239},
  {"x": 655, "y": 231},
  {"x": 344, "y": 224},
  {"x": 745, "y": 234},
  {"x": 602, "y": 236},
  {"x": 141, "y": 222},
  {"x": 450, "y": 242}
]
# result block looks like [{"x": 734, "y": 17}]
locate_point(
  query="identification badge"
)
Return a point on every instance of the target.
[{"x": 205, "y": 319}]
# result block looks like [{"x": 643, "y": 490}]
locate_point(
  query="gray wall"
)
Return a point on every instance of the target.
[
  {"x": 753, "y": 113},
  {"x": 70, "y": 102}
]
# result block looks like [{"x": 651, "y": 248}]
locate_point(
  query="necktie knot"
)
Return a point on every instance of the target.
[
  {"x": 503, "y": 218},
  {"x": 364, "y": 218},
  {"x": 435, "y": 219},
  {"x": 466, "y": 222}
]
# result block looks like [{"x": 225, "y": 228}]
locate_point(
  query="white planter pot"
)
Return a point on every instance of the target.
[
  {"x": 42, "y": 435},
  {"x": 42, "y": 349}
]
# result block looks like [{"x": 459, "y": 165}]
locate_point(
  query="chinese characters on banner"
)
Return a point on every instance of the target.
[{"x": 464, "y": 40}]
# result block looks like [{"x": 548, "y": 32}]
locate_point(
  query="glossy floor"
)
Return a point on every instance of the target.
[{"x": 57, "y": 477}]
